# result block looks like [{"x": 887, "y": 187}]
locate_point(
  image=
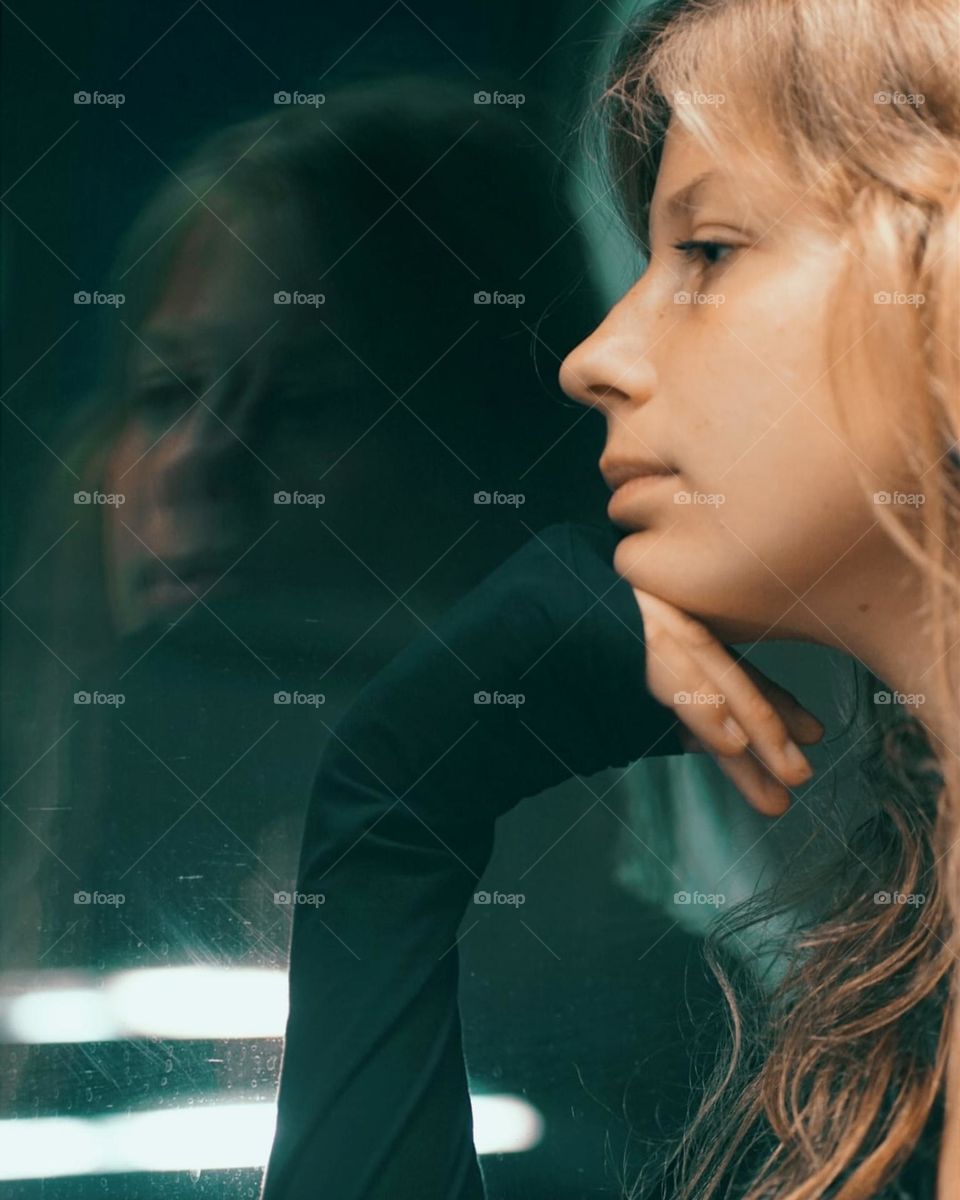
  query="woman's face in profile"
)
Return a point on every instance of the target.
[{"x": 715, "y": 366}]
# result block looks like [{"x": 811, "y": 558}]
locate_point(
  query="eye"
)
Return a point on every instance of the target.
[
  {"x": 166, "y": 398},
  {"x": 704, "y": 252}
]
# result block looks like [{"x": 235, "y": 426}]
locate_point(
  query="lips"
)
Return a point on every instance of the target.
[
  {"x": 631, "y": 480},
  {"x": 618, "y": 471},
  {"x": 185, "y": 578}
]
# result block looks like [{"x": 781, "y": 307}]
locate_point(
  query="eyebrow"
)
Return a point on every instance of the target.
[
  {"x": 181, "y": 334},
  {"x": 687, "y": 198}
]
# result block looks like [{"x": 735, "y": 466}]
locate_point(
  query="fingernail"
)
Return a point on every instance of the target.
[
  {"x": 735, "y": 730},
  {"x": 796, "y": 759},
  {"x": 779, "y": 798}
]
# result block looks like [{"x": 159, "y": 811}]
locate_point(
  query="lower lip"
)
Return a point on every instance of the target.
[
  {"x": 174, "y": 593},
  {"x": 633, "y": 489}
]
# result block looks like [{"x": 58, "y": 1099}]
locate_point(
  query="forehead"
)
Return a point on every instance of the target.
[
  {"x": 742, "y": 176},
  {"x": 686, "y": 161}
]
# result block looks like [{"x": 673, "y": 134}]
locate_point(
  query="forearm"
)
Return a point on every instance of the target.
[{"x": 373, "y": 1098}]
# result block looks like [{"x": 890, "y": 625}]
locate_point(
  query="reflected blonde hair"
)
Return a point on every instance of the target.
[{"x": 831, "y": 1080}]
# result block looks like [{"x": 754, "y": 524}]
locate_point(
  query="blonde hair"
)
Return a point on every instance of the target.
[{"x": 831, "y": 1080}]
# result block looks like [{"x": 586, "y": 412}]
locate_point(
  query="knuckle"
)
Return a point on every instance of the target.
[
  {"x": 697, "y": 634},
  {"x": 759, "y": 711},
  {"x": 655, "y": 633}
]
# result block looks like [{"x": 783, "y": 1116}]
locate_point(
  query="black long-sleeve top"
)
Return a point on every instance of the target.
[{"x": 537, "y": 675}]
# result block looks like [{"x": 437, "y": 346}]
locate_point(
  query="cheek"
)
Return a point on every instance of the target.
[
  {"x": 760, "y": 432},
  {"x": 758, "y": 441},
  {"x": 128, "y": 471},
  {"x": 127, "y": 456},
  {"x": 759, "y": 352}
]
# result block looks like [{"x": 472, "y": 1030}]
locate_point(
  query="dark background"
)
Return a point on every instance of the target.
[{"x": 592, "y": 1024}]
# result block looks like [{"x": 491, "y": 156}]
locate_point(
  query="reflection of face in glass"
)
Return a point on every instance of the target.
[
  {"x": 183, "y": 462},
  {"x": 233, "y": 399}
]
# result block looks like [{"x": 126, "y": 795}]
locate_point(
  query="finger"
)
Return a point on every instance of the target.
[
  {"x": 692, "y": 697},
  {"x": 750, "y": 777},
  {"x": 801, "y": 723},
  {"x": 749, "y": 706},
  {"x": 739, "y": 700},
  {"x": 758, "y": 787},
  {"x": 755, "y": 783}
]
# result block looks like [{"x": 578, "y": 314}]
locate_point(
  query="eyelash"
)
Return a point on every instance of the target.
[{"x": 695, "y": 251}]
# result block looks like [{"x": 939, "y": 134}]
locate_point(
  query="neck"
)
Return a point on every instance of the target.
[{"x": 878, "y": 615}]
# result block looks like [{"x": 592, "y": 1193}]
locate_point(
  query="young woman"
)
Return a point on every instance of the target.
[{"x": 782, "y": 396}]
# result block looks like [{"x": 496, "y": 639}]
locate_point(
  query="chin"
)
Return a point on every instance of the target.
[
  {"x": 638, "y": 562},
  {"x": 646, "y": 564}
]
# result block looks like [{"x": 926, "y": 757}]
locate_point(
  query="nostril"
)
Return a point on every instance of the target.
[
  {"x": 602, "y": 394},
  {"x": 579, "y": 387}
]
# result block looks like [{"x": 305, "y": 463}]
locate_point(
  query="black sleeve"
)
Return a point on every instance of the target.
[{"x": 536, "y": 675}]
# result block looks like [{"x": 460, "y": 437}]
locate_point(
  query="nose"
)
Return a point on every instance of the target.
[
  {"x": 611, "y": 367},
  {"x": 205, "y": 454}
]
